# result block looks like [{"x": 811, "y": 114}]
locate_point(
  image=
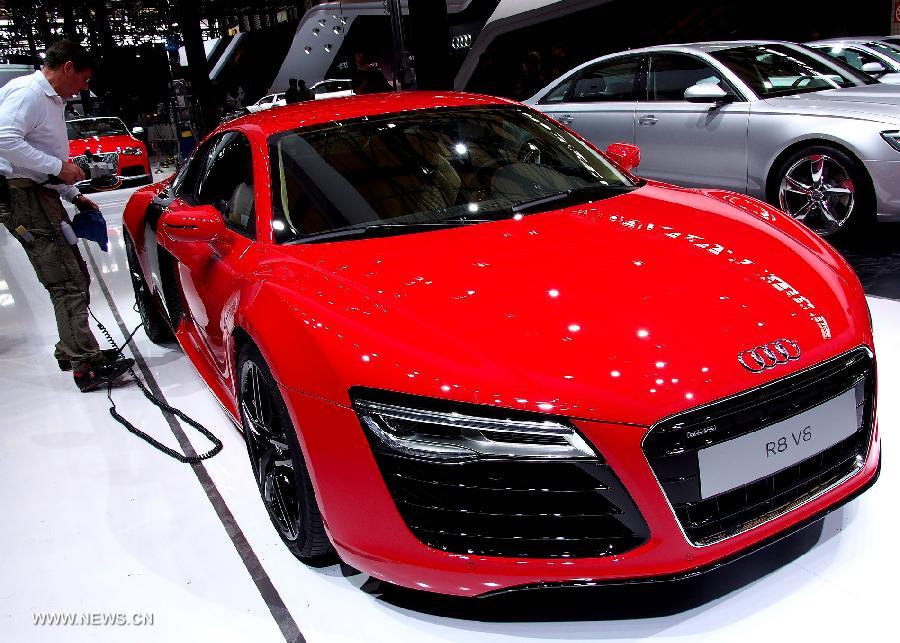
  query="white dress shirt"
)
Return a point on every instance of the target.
[{"x": 33, "y": 138}]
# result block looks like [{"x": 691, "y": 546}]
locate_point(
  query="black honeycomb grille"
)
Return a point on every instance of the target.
[
  {"x": 545, "y": 509},
  {"x": 672, "y": 446}
]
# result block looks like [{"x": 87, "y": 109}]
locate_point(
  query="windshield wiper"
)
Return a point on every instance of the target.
[
  {"x": 574, "y": 193},
  {"x": 374, "y": 229}
]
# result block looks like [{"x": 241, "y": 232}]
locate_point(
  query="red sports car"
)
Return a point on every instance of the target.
[
  {"x": 472, "y": 353},
  {"x": 108, "y": 139}
]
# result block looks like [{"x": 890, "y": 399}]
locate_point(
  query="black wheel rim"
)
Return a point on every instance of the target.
[{"x": 270, "y": 454}]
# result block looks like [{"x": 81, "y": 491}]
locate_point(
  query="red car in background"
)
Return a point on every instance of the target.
[
  {"x": 109, "y": 139},
  {"x": 472, "y": 353}
]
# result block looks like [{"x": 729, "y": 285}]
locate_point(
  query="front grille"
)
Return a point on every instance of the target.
[
  {"x": 515, "y": 508},
  {"x": 672, "y": 445},
  {"x": 110, "y": 157},
  {"x": 134, "y": 170}
]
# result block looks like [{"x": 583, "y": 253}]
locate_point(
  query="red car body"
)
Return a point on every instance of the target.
[
  {"x": 132, "y": 161},
  {"x": 615, "y": 314}
]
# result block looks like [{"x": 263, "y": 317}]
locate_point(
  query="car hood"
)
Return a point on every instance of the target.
[
  {"x": 626, "y": 309},
  {"x": 871, "y": 102},
  {"x": 102, "y": 144}
]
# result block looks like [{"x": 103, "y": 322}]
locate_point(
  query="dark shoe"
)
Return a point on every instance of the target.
[
  {"x": 109, "y": 354},
  {"x": 96, "y": 376}
]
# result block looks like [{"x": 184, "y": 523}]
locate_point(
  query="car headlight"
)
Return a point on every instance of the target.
[
  {"x": 131, "y": 151},
  {"x": 449, "y": 435},
  {"x": 892, "y": 138}
]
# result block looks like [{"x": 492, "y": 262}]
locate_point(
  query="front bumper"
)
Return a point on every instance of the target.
[
  {"x": 885, "y": 177},
  {"x": 86, "y": 187},
  {"x": 369, "y": 533}
]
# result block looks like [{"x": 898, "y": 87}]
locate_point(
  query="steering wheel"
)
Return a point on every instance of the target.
[{"x": 801, "y": 79}]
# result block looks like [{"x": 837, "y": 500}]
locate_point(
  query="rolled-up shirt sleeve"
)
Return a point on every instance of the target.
[{"x": 18, "y": 116}]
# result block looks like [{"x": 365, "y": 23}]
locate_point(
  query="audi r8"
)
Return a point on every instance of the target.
[
  {"x": 470, "y": 352},
  {"x": 108, "y": 141},
  {"x": 777, "y": 121}
]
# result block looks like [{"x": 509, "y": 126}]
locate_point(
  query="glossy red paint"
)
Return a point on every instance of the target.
[
  {"x": 203, "y": 224},
  {"x": 627, "y": 156},
  {"x": 616, "y": 314},
  {"x": 104, "y": 144}
]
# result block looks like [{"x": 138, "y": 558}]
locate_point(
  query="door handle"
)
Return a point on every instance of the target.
[
  {"x": 566, "y": 119},
  {"x": 648, "y": 119}
]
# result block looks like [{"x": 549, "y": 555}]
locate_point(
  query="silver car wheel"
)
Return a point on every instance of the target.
[{"x": 818, "y": 191}]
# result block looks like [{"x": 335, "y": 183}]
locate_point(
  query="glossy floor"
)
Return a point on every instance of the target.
[{"x": 96, "y": 523}]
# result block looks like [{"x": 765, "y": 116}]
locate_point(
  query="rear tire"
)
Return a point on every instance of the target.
[
  {"x": 277, "y": 461},
  {"x": 155, "y": 324},
  {"x": 826, "y": 189}
]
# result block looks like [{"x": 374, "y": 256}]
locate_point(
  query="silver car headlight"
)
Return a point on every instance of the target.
[
  {"x": 893, "y": 138},
  {"x": 131, "y": 151},
  {"x": 456, "y": 436}
]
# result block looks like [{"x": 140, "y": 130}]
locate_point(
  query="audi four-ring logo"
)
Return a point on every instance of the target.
[{"x": 770, "y": 355}]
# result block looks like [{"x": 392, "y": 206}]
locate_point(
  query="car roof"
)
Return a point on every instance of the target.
[
  {"x": 849, "y": 39},
  {"x": 90, "y": 118},
  {"x": 705, "y": 47},
  {"x": 328, "y": 110}
]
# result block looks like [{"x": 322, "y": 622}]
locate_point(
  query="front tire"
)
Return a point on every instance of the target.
[
  {"x": 155, "y": 325},
  {"x": 824, "y": 188},
  {"x": 277, "y": 461}
]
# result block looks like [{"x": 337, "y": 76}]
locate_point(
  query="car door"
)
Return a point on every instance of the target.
[
  {"x": 599, "y": 101},
  {"x": 690, "y": 144},
  {"x": 210, "y": 273}
]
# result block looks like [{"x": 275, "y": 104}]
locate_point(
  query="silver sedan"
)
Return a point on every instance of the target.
[{"x": 771, "y": 119}]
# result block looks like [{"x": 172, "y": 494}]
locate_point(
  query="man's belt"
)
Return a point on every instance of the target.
[{"x": 21, "y": 183}]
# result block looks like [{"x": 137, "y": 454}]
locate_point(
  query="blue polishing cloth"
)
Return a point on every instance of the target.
[{"x": 90, "y": 225}]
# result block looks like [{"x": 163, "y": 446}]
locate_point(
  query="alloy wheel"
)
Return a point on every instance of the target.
[
  {"x": 818, "y": 190},
  {"x": 270, "y": 454}
]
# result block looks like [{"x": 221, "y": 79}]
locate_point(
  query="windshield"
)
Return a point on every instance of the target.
[
  {"x": 886, "y": 49},
  {"x": 427, "y": 167},
  {"x": 88, "y": 127},
  {"x": 778, "y": 70}
]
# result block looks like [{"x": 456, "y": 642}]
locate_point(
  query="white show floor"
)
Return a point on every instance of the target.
[{"x": 95, "y": 521}]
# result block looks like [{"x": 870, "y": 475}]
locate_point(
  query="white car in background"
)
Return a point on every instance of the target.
[
  {"x": 878, "y": 56},
  {"x": 267, "y": 102},
  {"x": 331, "y": 88}
]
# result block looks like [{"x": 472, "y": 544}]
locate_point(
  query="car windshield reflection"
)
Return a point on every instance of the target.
[
  {"x": 777, "y": 70},
  {"x": 88, "y": 127},
  {"x": 426, "y": 167}
]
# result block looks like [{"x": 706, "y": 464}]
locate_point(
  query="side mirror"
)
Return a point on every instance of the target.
[
  {"x": 873, "y": 68},
  {"x": 625, "y": 155},
  {"x": 137, "y": 131},
  {"x": 707, "y": 93},
  {"x": 203, "y": 224}
]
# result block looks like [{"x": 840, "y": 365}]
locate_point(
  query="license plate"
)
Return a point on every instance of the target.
[{"x": 759, "y": 454}]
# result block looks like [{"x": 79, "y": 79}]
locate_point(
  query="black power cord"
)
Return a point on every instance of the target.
[{"x": 165, "y": 408}]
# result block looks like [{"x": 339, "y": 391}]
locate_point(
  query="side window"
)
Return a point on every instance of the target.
[
  {"x": 671, "y": 74},
  {"x": 611, "y": 80},
  {"x": 558, "y": 95},
  {"x": 227, "y": 183},
  {"x": 185, "y": 181}
]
